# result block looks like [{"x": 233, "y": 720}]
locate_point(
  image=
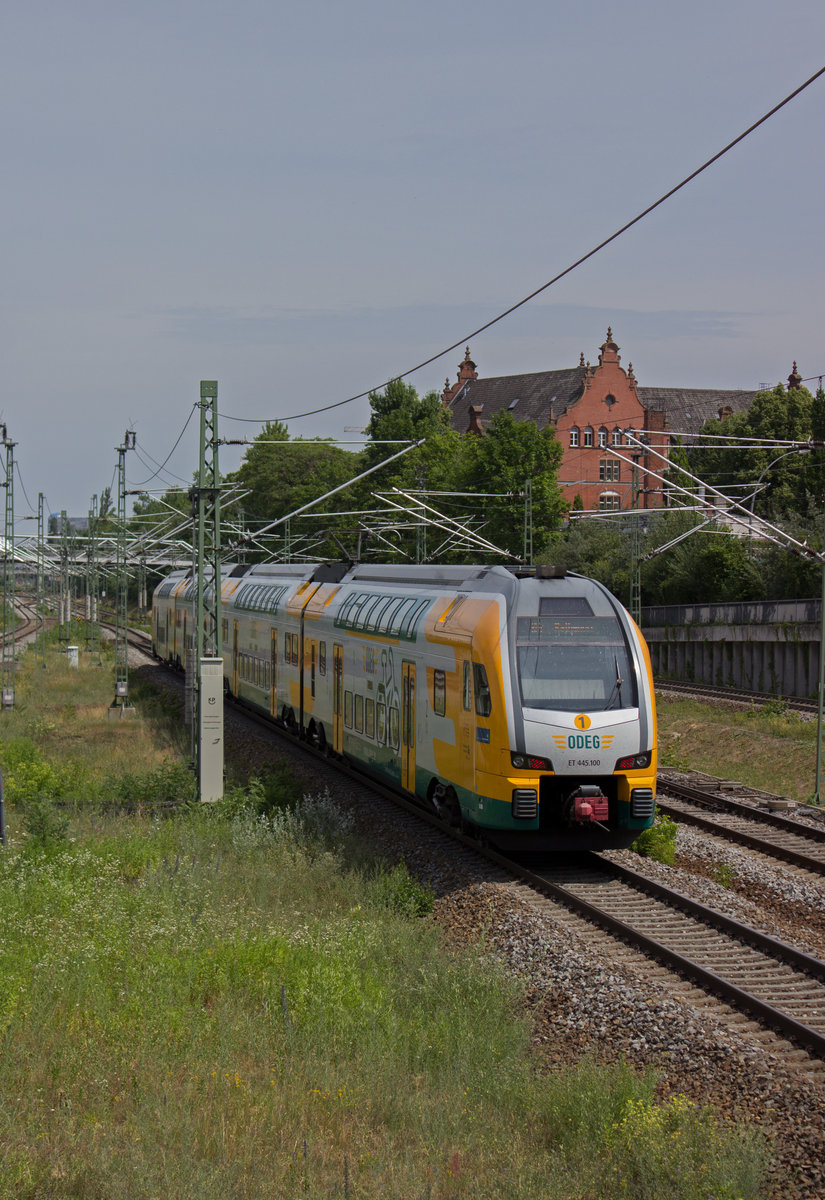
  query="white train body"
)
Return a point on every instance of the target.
[{"x": 519, "y": 702}]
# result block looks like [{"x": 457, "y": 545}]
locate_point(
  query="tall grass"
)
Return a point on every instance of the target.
[{"x": 232, "y": 1001}]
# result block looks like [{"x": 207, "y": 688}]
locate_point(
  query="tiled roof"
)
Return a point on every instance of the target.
[
  {"x": 533, "y": 397},
  {"x": 687, "y": 409}
]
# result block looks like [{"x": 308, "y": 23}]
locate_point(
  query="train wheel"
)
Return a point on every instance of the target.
[{"x": 321, "y": 738}]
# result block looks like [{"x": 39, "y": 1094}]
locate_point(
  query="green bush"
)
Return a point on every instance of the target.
[
  {"x": 658, "y": 842},
  {"x": 170, "y": 783},
  {"x": 45, "y": 825}
]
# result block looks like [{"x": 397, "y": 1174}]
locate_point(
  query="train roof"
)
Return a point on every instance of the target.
[{"x": 456, "y": 575}]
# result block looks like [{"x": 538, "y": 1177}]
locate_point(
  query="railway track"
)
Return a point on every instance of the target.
[
  {"x": 705, "y": 691},
  {"x": 746, "y": 819},
  {"x": 774, "y": 984},
  {"x": 778, "y": 985}
]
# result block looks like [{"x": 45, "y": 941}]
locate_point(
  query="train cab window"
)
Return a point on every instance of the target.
[
  {"x": 381, "y": 715},
  {"x": 439, "y": 693},
  {"x": 322, "y": 658},
  {"x": 467, "y": 689},
  {"x": 348, "y": 709},
  {"x": 359, "y": 714},
  {"x": 394, "y": 728},
  {"x": 369, "y": 718},
  {"x": 484, "y": 703},
  {"x": 574, "y": 663}
]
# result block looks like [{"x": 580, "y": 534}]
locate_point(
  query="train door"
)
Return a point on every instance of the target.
[
  {"x": 466, "y": 720},
  {"x": 408, "y": 726},
  {"x": 234, "y": 658},
  {"x": 338, "y": 699},
  {"x": 273, "y": 672}
]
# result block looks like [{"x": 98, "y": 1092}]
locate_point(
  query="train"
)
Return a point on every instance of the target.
[{"x": 516, "y": 702}]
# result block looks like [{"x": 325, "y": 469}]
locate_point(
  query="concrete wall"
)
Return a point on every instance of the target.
[{"x": 757, "y": 647}]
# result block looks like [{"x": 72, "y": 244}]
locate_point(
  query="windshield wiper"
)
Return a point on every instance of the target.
[{"x": 617, "y": 686}]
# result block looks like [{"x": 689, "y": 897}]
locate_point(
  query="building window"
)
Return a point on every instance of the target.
[
  {"x": 609, "y": 470},
  {"x": 588, "y": 436},
  {"x": 602, "y": 438},
  {"x": 574, "y": 436},
  {"x": 609, "y": 501},
  {"x": 616, "y": 436},
  {"x": 609, "y": 400}
]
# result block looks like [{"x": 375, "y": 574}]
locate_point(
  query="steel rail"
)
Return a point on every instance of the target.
[{"x": 796, "y": 858}]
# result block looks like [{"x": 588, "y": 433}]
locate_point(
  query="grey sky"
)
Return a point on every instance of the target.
[{"x": 303, "y": 201}]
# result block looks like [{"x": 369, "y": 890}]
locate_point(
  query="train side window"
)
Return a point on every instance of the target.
[
  {"x": 322, "y": 658},
  {"x": 359, "y": 713},
  {"x": 348, "y": 709},
  {"x": 287, "y": 652},
  {"x": 382, "y": 723},
  {"x": 394, "y": 727},
  {"x": 369, "y": 718},
  {"x": 484, "y": 703},
  {"x": 295, "y": 647},
  {"x": 439, "y": 693},
  {"x": 467, "y": 689},
  {"x": 312, "y": 672},
  {"x": 385, "y": 620}
]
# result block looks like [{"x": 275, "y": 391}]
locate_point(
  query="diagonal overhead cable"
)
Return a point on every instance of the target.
[{"x": 590, "y": 253}]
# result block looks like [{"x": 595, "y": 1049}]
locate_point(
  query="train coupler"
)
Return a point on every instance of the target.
[{"x": 588, "y": 805}]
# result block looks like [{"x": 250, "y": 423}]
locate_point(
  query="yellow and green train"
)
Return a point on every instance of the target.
[{"x": 518, "y": 702}]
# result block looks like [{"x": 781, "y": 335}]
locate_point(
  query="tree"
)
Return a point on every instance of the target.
[
  {"x": 775, "y": 416},
  {"x": 280, "y": 475},
  {"x": 501, "y": 461}
]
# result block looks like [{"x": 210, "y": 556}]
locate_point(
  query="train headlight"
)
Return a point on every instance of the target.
[
  {"x": 530, "y": 762},
  {"x": 634, "y": 762}
]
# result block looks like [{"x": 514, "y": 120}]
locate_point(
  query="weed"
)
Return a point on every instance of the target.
[
  {"x": 395, "y": 889},
  {"x": 658, "y": 842},
  {"x": 724, "y": 874}
]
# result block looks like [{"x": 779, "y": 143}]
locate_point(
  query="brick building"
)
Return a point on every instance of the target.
[{"x": 592, "y": 408}]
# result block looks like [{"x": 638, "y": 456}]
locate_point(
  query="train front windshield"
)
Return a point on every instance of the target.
[{"x": 574, "y": 663}]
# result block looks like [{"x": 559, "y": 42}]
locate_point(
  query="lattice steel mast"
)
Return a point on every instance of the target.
[
  {"x": 9, "y": 656},
  {"x": 120, "y": 704}
]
